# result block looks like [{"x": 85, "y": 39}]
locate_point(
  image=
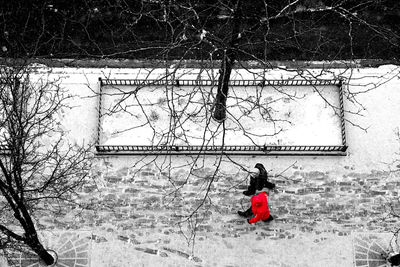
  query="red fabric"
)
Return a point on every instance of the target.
[{"x": 259, "y": 206}]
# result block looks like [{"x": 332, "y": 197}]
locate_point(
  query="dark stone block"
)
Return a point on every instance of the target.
[
  {"x": 378, "y": 193},
  {"x": 147, "y": 173},
  {"x": 123, "y": 238}
]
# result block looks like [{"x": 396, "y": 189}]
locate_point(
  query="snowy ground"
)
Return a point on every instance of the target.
[
  {"x": 281, "y": 115},
  {"x": 214, "y": 250},
  {"x": 82, "y": 249}
]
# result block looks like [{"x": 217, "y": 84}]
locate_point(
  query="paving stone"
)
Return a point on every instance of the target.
[
  {"x": 72, "y": 249},
  {"x": 371, "y": 249},
  {"x": 312, "y": 199}
]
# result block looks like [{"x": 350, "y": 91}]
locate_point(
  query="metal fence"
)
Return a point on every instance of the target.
[
  {"x": 199, "y": 82},
  {"x": 231, "y": 149},
  {"x": 215, "y": 150}
]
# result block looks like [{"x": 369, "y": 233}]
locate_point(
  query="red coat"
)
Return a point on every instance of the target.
[{"x": 259, "y": 206}]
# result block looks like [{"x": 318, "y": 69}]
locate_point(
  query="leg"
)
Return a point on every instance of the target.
[
  {"x": 269, "y": 185},
  {"x": 246, "y": 213},
  {"x": 251, "y": 190},
  {"x": 260, "y": 183}
]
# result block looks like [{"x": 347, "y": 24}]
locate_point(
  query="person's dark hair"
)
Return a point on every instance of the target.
[{"x": 261, "y": 168}]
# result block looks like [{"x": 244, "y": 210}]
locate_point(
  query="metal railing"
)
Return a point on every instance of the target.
[
  {"x": 231, "y": 149},
  {"x": 199, "y": 82}
]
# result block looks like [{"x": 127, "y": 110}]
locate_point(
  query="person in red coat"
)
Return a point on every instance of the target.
[{"x": 259, "y": 206}]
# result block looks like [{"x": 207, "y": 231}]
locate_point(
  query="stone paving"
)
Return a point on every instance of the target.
[
  {"x": 373, "y": 249},
  {"x": 72, "y": 250},
  {"x": 134, "y": 218},
  {"x": 310, "y": 201}
]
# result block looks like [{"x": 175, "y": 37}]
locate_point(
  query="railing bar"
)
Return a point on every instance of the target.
[
  {"x": 212, "y": 82},
  {"x": 230, "y": 148}
]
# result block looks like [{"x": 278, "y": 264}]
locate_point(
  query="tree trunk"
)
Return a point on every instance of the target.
[
  {"x": 33, "y": 242},
  {"x": 38, "y": 248},
  {"x": 219, "y": 113},
  {"x": 223, "y": 88}
]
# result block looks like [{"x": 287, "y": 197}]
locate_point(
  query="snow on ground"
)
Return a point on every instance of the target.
[
  {"x": 284, "y": 115},
  {"x": 250, "y": 250}
]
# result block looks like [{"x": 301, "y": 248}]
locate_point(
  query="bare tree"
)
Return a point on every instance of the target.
[
  {"x": 224, "y": 35},
  {"x": 39, "y": 168},
  {"x": 221, "y": 35}
]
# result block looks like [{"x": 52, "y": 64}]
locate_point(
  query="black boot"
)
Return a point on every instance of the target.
[
  {"x": 270, "y": 218},
  {"x": 269, "y": 185},
  {"x": 251, "y": 190},
  {"x": 246, "y": 213}
]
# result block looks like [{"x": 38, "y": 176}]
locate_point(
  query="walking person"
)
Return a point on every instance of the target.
[
  {"x": 260, "y": 209},
  {"x": 258, "y": 182}
]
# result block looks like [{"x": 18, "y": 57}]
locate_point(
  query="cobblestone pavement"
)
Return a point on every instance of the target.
[{"x": 137, "y": 217}]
